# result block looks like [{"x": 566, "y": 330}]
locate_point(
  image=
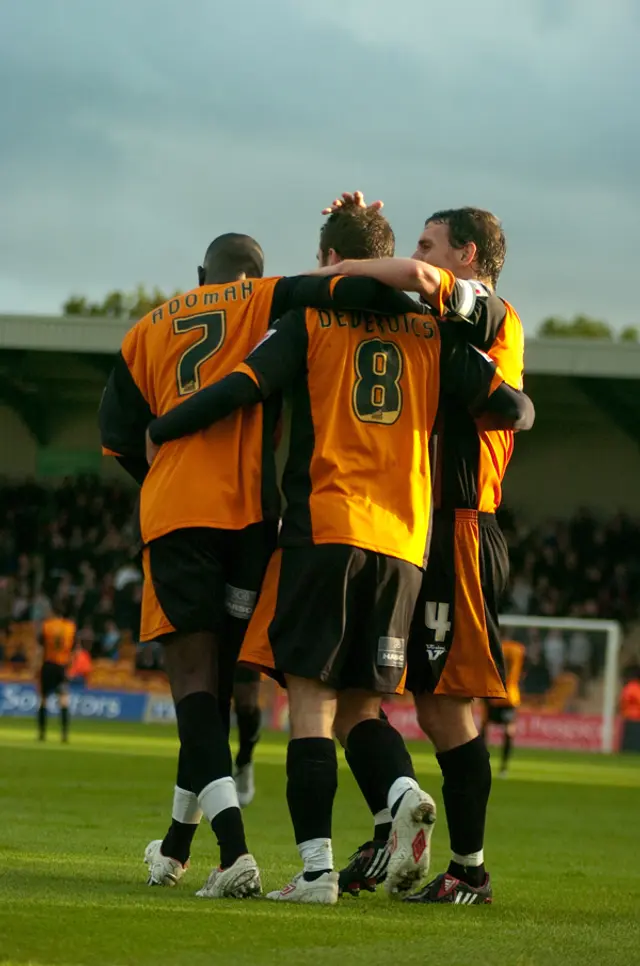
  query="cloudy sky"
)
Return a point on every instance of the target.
[{"x": 133, "y": 131}]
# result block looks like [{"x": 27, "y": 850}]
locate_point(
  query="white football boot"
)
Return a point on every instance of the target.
[
  {"x": 322, "y": 890},
  {"x": 163, "y": 870},
  {"x": 245, "y": 784},
  {"x": 240, "y": 881},
  {"x": 410, "y": 842}
]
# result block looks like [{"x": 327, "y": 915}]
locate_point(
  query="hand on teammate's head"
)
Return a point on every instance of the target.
[{"x": 351, "y": 200}]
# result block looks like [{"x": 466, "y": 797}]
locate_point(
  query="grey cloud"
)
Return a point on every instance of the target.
[{"x": 135, "y": 131}]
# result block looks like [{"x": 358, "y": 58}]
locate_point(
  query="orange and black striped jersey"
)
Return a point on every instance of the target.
[
  {"x": 364, "y": 392},
  {"x": 222, "y": 477},
  {"x": 514, "y": 654},
  {"x": 471, "y": 459},
  {"x": 57, "y": 636}
]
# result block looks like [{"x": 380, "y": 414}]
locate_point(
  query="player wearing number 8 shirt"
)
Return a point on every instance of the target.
[
  {"x": 336, "y": 607},
  {"x": 209, "y": 508},
  {"x": 454, "y": 652}
]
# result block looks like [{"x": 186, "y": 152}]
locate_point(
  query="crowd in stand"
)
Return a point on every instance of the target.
[
  {"x": 74, "y": 545},
  {"x": 584, "y": 567}
]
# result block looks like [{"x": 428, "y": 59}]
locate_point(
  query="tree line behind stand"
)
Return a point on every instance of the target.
[{"x": 133, "y": 305}]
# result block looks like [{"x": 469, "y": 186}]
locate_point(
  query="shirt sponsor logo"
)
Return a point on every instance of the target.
[
  {"x": 391, "y": 652},
  {"x": 239, "y": 603}
]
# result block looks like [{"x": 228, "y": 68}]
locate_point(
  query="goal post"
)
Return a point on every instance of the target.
[{"x": 612, "y": 632}]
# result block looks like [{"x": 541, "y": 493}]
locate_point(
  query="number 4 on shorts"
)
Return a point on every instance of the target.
[{"x": 436, "y": 619}]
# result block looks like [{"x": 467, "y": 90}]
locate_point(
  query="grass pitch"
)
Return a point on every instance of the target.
[{"x": 563, "y": 847}]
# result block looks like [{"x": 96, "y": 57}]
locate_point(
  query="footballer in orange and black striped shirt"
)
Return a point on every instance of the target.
[
  {"x": 454, "y": 649},
  {"x": 364, "y": 392},
  {"x": 209, "y": 510},
  {"x": 212, "y": 495},
  {"x": 455, "y": 642}
]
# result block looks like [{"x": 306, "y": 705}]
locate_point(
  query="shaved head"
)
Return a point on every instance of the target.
[{"x": 231, "y": 257}]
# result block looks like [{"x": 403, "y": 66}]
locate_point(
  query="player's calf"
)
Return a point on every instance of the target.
[
  {"x": 383, "y": 769},
  {"x": 204, "y": 741},
  {"x": 42, "y": 720},
  {"x": 249, "y": 718},
  {"x": 312, "y": 782},
  {"x": 64, "y": 716}
]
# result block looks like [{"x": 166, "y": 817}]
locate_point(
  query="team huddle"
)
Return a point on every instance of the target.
[{"x": 381, "y": 570}]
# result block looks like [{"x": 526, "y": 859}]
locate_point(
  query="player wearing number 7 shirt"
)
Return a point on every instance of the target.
[
  {"x": 209, "y": 510},
  {"x": 335, "y": 611},
  {"x": 454, "y": 652}
]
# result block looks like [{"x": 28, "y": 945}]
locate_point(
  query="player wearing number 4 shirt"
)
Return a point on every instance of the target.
[
  {"x": 335, "y": 611},
  {"x": 209, "y": 508},
  {"x": 454, "y": 651}
]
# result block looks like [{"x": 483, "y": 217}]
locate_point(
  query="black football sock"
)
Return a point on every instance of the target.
[
  {"x": 182, "y": 776},
  {"x": 249, "y": 720},
  {"x": 208, "y": 763},
  {"x": 202, "y": 740},
  {"x": 312, "y": 782},
  {"x": 378, "y": 756},
  {"x": 42, "y": 722},
  {"x": 64, "y": 723},
  {"x": 381, "y": 831},
  {"x": 466, "y": 787},
  {"x": 234, "y": 631},
  {"x": 507, "y": 747},
  {"x": 228, "y": 828},
  {"x": 177, "y": 842},
  {"x": 224, "y": 708},
  {"x": 376, "y": 800}
]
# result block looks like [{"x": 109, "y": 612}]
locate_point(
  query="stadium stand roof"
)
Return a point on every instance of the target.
[
  {"x": 59, "y": 333},
  {"x": 596, "y": 358},
  {"x": 585, "y": 448}
]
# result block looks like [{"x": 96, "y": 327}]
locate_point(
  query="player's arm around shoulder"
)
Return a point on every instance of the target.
[
  {"x": 404, "y": 274},
  {"x": 324, "y": 289},
  {"x": 279, "y": 356},
  {"x": 266, "y": 369},
  {"x": 475, "y": 379}
]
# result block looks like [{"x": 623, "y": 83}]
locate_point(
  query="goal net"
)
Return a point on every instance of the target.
[{"x": 570, "y": 682}]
